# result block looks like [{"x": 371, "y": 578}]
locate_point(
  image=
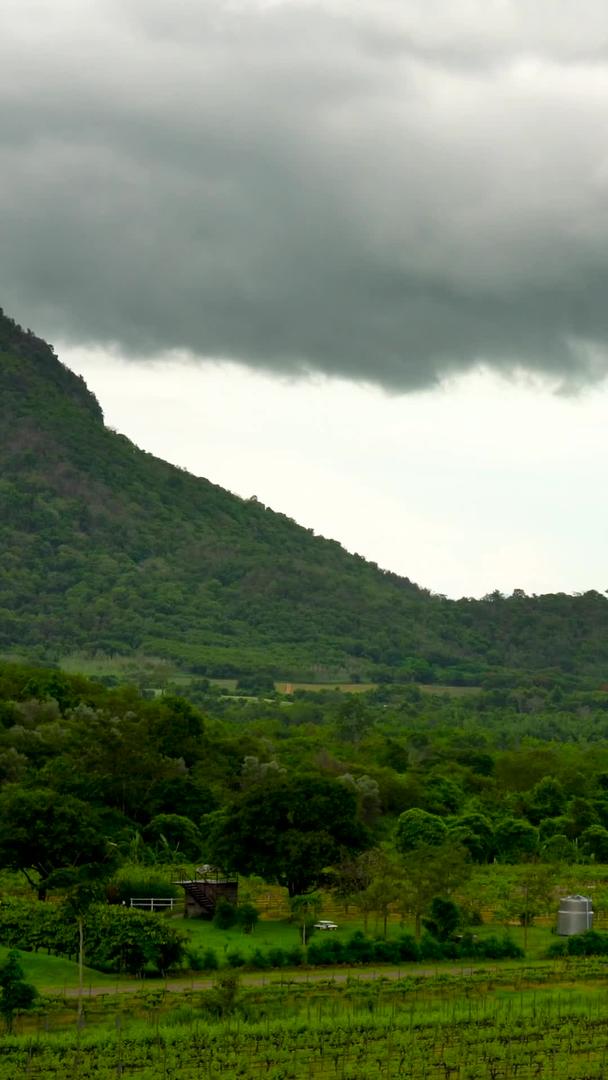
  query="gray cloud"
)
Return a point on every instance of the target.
[{"x": 389, "y": 192}]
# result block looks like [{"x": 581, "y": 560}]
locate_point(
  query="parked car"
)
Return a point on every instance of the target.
[{"x": 325, "y": 924}]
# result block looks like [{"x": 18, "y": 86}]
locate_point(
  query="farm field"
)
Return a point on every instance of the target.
[{"x": 522, "y": 1023}]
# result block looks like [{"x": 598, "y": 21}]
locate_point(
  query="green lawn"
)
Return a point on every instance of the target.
[
  {"x": 269, "y": 934},
  {"x": 55, "y": 973}
]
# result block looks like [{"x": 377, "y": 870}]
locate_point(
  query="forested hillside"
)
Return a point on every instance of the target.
[{"x": 104, "y": 548}]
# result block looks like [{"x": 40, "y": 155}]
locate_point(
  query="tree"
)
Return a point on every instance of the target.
[
  {"x": 431, "y": 871},
  {"x": 353, "y": 719},
  {"x": 531, "y": 894},
  {"x": 547, "y": 799},
  {"x": 417, "y": 828},
  {"x": 289, "y": 830},
  {"x": 444, "y": 918},
  {"x": 304, "y": 911},
  {"x": 173, "y": 835},
  {"x": 42, "y": 832},
  {"x": 82, "y": 887},
  {"x": 367, "y": 793},
  {"x": 16, "y": 994},
  {"x": 594, "y": 842},
  {"x": 515, "y": 839},
  {"x": 385, "y": 886},
  {"x": 475, "y": 832}
]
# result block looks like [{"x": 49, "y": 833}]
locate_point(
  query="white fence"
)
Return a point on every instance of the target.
[{"x": 153, "y": 903}]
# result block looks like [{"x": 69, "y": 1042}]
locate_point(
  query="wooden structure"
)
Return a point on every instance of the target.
[{"x": 204, "y": 891}]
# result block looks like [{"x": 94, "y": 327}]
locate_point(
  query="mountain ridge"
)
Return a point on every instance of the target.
[{"x": 107, "y": 548}]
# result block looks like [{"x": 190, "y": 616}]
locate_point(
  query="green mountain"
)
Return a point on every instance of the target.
[{"x": 105, "y": 548}]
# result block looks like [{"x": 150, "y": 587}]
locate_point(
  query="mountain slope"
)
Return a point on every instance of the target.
[{"x": 106, "y": 548}]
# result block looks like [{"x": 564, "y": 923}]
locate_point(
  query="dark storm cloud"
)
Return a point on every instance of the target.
[{"x": 389, "y": 192}]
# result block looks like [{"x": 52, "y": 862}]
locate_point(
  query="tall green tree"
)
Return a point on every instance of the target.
[
  {"x": 417, "y": 828},
  {"x": 431, "y": 871},
  {"x": 42, "y": 832},
  {"x": 289, "y": 830},
  {"x": 16, "y": 995}
]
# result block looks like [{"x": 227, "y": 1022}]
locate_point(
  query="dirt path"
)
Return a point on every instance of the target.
[{"x": 178, "y": 986}]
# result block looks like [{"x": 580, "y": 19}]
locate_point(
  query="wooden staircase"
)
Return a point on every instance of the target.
[{"x": 198, "y": 891}]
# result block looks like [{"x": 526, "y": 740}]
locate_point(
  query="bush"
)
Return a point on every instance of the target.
[
  {"x": 224, "y": 998},
  {"x": 209, "y": 960},
  {"x": 117, "y": 939},
  {"x": 490, "y": 948},
  {"x": 408, "y": 948},
  {"x": 444, "y": 918},
  {"x": 430, "y": 948},
  {"x": 247, "y": 917},
  {"x": 326, "y": 950},
  {"x": 294, "y": 956},
  {"x": 235, "y": 959},
  {"x": 194, "y": 959},
  {"x": 259, "y": 960},
  {"x": 279, "y": 958},
  {"x": 225, "y": 914},
  {"x": 589, "y": 943},
  {"x": 386, "y": 952},
  {"x": 359, "y": 949}
]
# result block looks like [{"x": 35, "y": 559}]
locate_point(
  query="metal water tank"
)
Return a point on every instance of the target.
[{"x": 575, "y": 915}]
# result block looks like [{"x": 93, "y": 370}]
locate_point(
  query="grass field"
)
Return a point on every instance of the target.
[{"x": 53, "y": 973}]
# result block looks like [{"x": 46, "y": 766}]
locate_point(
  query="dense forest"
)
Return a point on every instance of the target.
[
  {"x": 301, "y": 791},
  {"x": 106, "y": 549}
]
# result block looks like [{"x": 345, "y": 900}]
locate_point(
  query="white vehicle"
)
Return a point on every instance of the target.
[{"x": 325, "y": 924}]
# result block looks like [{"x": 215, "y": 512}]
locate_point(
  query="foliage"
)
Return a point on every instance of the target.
[
  {"x": 223, "y": 998},
  {"x": 16, "y": 995},
  {"x": 118, "y": 939},
  {"x": 46, "y": 833},
  {"x": 225, "y": 914},
  {"x": 417, "y": 828},
  {"x": 444, "y": 918},
  {"x": 287, "y": 829},
  {"x": 247, "y": 916},
  {"x": 589, "y": 943}
]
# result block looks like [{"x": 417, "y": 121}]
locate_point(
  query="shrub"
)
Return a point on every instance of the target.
[
  {"x": 247, "y": 917},
  {"x": 209, "y": 960},
  {"x": 430, "y": 948},
  {"x": 408, "y": 948},
  {"x": 194, "y": 959},
  {"x": 359, "y": 949},
  {"x": 225, "y": 914},
  {"x": 224, "y": 998},
  {"x": 490, "y": 948},
  {"x": 444, "y": 918},
  {"x": 279, "y": 958},
  {"x": 235, "y": 959},
  {"x": 259, "y": 960},
  {"x": 386, "y": 952},
  {"x": 294, "y": 956},
  {"x": 326, "y": 951},
  {"x": 589, "y": 943}
]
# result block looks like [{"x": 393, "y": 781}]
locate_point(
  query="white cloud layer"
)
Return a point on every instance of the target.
[
  {"x": 384, "y": 191},
  {"x": 480, "y": 485}
]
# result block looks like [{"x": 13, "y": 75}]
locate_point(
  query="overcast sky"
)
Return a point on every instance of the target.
[{"x": 348, "y": 255}]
